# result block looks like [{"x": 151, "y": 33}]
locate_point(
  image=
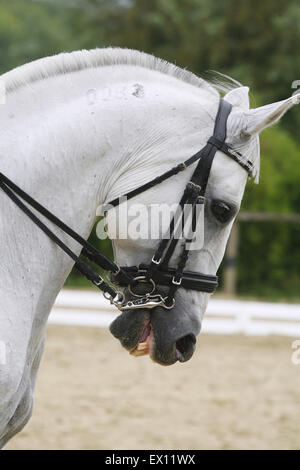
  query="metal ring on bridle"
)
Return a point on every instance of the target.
[
  {"x": 142, "y": 279},
  {"x": 169, "y": 307},
  {"x": 118, "y": 299}
]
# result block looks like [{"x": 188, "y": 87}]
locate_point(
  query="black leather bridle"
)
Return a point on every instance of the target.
[{"x": 157, "y": 272}]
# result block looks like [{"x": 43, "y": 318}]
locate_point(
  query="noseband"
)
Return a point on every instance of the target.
[{"x": 157, "y": 272}]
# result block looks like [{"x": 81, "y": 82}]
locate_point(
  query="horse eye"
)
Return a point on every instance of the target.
[{"x": 221, "y": 211}]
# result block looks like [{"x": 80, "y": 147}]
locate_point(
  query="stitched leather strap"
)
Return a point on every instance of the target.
[
  {"x": 194, "y": 192},
  {"x": 190, "y": 280}
]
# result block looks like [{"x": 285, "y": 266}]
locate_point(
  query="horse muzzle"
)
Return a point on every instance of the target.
[{"x": 167, "y": 336}]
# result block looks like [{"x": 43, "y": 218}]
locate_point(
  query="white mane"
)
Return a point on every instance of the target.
[{"x": 80, "y": 60}]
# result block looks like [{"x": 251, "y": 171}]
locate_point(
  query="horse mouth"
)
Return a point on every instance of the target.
[
  {"x": 158, "y": 335},
  {"x": 145, "y": 343}
]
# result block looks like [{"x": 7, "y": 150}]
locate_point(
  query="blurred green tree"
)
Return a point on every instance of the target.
[
  {"x": 255, "y": 42},
  {"x": 30, "y": 30}
]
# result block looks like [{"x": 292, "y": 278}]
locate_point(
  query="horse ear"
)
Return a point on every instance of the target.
[
  {"x": 258, "y": 119},
  {"x": 239, "y": 97}
]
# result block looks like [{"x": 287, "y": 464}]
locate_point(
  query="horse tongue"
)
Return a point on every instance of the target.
[{"x": 145, "y": 333}]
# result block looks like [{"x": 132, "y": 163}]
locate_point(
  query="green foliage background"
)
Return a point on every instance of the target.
[{"x": 255, "y": 42}]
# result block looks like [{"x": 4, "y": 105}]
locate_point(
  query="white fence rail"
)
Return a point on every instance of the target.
[{"x": 88, "y": 308}]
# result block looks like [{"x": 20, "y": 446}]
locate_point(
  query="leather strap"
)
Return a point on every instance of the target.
[
  {"x": 217, "y": 141},
  {"x": 190, "y": 279},
  {"x": 237, "y": 156},
  {"x": 194, "y": 193},
  {"x": 11, "y": 189}
]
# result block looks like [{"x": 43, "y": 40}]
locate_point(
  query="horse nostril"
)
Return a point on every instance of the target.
[{"x": 185, "y": 347}]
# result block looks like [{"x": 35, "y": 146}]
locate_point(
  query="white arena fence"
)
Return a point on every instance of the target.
[{"x": 88, "y": 308}]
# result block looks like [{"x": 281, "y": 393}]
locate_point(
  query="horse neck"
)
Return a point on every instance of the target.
[{"x": 53, "y": 152}]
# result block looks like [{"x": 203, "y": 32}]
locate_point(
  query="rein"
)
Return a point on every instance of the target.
[{"x": 157, "y": 273}]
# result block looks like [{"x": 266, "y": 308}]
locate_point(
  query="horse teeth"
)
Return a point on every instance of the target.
[
  {"x": 137, "y": 353},
  {"x": 140, "y": 350}
]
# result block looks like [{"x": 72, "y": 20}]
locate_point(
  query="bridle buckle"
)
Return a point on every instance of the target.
[
  {"x": 155, "y": 261},
  {"x": 176, "y": 282}
]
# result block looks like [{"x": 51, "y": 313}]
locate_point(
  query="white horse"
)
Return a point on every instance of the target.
[{"x": 78, "y": 130}]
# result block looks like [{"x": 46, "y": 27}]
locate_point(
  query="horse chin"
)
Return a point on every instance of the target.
[
  {"x": 167, "y": 336},
  {"x": 128, "y": 327}
]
